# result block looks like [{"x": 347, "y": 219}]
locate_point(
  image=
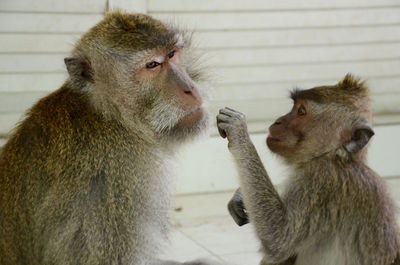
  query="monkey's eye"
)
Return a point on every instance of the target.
[
  {"x": 152, "y": 64},
  {"x": 171, "y": 54},
  {"x": 301, "y": 111}
]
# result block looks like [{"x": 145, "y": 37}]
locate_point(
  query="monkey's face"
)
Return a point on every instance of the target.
[
  {"x": 173, "y": 100},
  {"x": 307, "y": 131},
  {"x": 323, "y": 121},
  {"x": 287, "y": 132},
  {"x": 139, "y": 71}
]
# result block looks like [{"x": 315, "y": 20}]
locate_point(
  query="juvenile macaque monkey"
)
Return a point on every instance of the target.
[
  {"x": 334, "y": 210},
  {"x": 84, "y": 177}
]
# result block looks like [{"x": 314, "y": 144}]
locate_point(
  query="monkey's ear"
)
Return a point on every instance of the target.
[
  {"x": 80, "y": 71},
  {"x": 360, "y": 136}
]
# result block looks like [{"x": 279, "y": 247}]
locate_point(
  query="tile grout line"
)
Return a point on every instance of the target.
[{"x": 201, "y": 245}]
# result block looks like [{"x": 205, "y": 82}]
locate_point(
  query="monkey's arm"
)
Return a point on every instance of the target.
[
  {"x": 265, "y": 207},
  {"x": 266, "y": 210}
]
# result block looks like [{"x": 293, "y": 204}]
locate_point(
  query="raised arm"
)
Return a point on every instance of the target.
[{"x": 265, "y": 208}]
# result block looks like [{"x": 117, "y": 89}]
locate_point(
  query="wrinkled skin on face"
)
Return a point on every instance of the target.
[{"x": 176, "y": 90}]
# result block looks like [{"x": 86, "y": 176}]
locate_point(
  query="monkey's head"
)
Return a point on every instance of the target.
[
  {"x": 141, "y": 72},
  {"x": 328, "y": 120}
]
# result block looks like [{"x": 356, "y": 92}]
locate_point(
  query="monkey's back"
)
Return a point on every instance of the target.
[
  {"x": 69, "y": 178},
  {"x": 350, "y": 213}
]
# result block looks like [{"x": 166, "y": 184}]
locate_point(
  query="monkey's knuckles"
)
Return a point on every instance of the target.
[
  {"x": 234, "y": 126},
  {"x": 238, "y": 129}
]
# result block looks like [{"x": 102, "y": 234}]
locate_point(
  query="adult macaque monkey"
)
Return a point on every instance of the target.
[
  {"x": 335, "y": 209},
  {"x": 84, "y": 178}
]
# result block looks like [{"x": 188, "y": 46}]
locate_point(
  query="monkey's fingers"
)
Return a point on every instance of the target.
[
  {"x": 221, "y": 131},
  {"x": 233, "y": 110},
  {"x": 221, "y": 118},
  {"x": 226, "y": 111},
  {"x": 232, "y": 113},
  {"x": 224, "y": 128}
]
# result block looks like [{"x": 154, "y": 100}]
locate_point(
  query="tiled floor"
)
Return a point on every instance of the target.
[{"x": 203, "y": 228}]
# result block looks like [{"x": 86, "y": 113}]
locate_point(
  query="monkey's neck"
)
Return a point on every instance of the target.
[{"x": 328, "y": 169}]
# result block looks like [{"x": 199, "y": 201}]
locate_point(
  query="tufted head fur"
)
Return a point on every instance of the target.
[{"x": 350, "y": 92}]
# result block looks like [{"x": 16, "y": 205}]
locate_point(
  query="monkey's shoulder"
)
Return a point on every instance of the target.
[
  {"x": 63, "y": 125},
  {"x": 62, "y": 107},
  {"x": 355, "y": 185}
]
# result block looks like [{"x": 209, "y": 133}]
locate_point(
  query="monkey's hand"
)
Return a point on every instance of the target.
[
  {"x": 237, "y": 210},
  {"x": 232, "y": 124}
]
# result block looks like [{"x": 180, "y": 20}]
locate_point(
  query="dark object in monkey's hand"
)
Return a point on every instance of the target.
[{"x": 237, "y": 210}]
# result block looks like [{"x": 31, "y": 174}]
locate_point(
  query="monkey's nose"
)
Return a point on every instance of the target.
[{"x": 188, "y": 89}]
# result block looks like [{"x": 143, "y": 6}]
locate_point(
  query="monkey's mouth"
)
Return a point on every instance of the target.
[
  {"x": 272, "y": 139},
  {"x": 199, "y": 108},
  {"x": 273, "y": 143},
  {"x": 191, "y": 117}
]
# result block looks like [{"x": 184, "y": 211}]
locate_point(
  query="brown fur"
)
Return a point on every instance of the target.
[
  {"x": 84, "y": 179},
  {"x": 334, "y": 209},
  {"x": 126, "y": 32},
  {"x": 350, "y": 93},
  {"x": 347, "y": 92}
]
